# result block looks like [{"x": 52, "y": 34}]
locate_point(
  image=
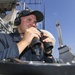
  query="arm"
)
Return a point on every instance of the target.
[
  {"x": 10, "y": 49},
  {"x": 29, "y": 34}
]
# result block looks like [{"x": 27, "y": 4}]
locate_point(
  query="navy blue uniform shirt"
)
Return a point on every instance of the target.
[{"x": 9, "y": 49}]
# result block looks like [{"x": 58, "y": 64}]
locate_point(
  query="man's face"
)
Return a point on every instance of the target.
[{"x": 27, "y": 22}]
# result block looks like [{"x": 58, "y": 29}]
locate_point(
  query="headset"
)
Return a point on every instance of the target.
[
  {"x": 17, "y": 20},
  {"x": 20, "y": 14}
]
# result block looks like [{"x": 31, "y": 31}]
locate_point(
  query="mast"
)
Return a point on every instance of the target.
[
  {"x": 59, "y": 34},
  {"x": 65, "y": 53}
]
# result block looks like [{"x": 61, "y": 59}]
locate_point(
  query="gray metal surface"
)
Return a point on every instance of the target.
[{"x": 36, "y": 68}]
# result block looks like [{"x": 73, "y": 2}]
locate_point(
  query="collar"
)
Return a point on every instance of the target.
[{"x": 16, "y": 36}]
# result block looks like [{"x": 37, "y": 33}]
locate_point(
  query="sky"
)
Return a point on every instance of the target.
[{"x": 64, "y": 12}]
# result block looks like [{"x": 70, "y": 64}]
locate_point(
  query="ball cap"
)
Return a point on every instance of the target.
[{"x": 39, "y": 15}]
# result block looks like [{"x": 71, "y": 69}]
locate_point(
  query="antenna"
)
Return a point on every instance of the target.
[
  {"x": 43, "y": 26},
  {"x": 26, "y": 7},
  {"x": 59, "y": 33}
]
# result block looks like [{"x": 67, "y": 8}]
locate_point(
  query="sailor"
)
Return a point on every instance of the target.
[{"x": 20, "y": 45}]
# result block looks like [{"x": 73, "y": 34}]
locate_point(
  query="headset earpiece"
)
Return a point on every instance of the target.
[{"x": 17, "y": 20}]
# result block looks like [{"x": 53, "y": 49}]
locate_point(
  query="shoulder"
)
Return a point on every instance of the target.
[{"x": 4, "y": 35}]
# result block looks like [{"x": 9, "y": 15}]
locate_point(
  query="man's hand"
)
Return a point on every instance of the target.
[{"x": 29, "y": 34}]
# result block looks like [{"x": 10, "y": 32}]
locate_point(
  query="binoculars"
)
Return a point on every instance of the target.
[{"x": 36, "y": 44}]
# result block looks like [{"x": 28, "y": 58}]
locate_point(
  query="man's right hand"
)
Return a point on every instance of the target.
[{"x": 29, "y": 34}]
